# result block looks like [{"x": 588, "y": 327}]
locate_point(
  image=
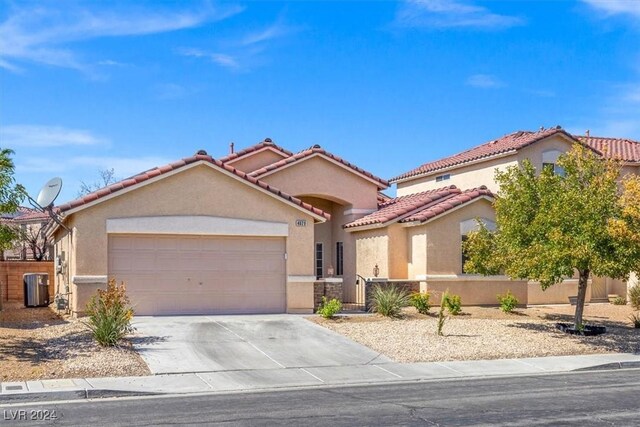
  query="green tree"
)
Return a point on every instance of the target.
[
  {"x": 553, "y": 226},
  {"x": 11, "y": 194}
]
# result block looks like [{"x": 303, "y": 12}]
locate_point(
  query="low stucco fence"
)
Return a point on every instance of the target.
[
  {"x": 11, "y": 280},
  {"x": 409, "y": 286}
]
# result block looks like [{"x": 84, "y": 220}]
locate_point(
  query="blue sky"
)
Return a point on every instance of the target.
[{"x": 86, "y": 86}]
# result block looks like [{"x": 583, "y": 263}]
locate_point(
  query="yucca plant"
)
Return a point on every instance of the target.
[
  {"x": 109, "y": 314},
  {"x": 634, "y": 296},
  {"x": 389, "y": 300}
]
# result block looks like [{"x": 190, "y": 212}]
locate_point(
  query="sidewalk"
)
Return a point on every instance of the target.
[{"x": 265, "y": 379}]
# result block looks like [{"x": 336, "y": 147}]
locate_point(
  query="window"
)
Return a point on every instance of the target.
[
  {"x": 444, "y": 177},
  {"x": 339, "y": 258},
  {"x": 464, "y": 255},
  {"x": 550, "y": 160},
  {"x": 319, "y": 260}
]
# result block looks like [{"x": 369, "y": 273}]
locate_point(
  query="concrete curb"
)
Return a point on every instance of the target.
[
  {"x": 48, "y": 396},
  {"x": 611, "y": 366}
]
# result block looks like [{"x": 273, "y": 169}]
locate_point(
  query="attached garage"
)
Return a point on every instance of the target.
[
  {"x": 200, "y": 274},
  {"x": 192, "y": 237}
]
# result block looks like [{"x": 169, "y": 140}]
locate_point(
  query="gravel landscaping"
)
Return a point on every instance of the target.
[
  {"x": 487, "y": 333},
  {"x": 36, "y": 343}
]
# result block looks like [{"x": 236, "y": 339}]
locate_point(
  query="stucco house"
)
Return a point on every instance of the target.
[
  {"x": 32, "y": 243},
  {"x": 430, "y": 249},
  {"x": 247, "y": 233}
]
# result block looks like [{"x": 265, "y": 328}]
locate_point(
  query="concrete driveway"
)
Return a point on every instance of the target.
[{"x": 184, "y": 344}]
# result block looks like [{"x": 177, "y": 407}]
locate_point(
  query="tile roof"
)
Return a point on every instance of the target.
[
  {"x": 26, "y": 214},
  {"x": 627, "y": 150},
  {"x": 419, "y": 206},
  {"x": 316, "y": 149},
  {"x": 200, "y": 156},
  {"x": 506, "y": 144},
  {"x": 383, "y": 198},
  {"x": 266, "y": 143}
]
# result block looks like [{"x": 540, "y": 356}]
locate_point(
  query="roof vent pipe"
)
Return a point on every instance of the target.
[
  {"x": 588, "y": 133},
  {"x": 231, "y": 148}
]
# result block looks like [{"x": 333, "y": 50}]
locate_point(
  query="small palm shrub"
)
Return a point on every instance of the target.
[
  {"x": 421, "y": 302},
  {"x": 389, "y": 300},
  {"x": 634, "y": 296},
  {"x": 508, "y": 302},
  {"x": 328, "y": 309},
  {"x": 109, "y": 314},
  {"x": 619, "y": 301},
  {"x": 453, "y": 304}
]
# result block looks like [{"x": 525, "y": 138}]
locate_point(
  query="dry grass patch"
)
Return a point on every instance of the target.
[
  {"x": 488, "y": 333},
  {"x": 36, "y": 343}
]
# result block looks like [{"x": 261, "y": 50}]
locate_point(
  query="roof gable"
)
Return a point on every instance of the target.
[
  {"x": 317, "y": 151},
  {"x": 505, "y": 145},
  {"x": 419, "y": 207},
  {"x": 161, "y": 172},
  {"x": 267, "y": 144}
]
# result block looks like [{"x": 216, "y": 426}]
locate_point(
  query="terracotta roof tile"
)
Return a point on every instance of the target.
[
  {"x": 508, "y": 143},
  {"x": 316, "y": 149},
  {"x": 445, "y": 205},
  {"x": 619, "y": 148},
  {"x": 266, "y": 143},
  {"x": 400, "y": 207},
  {"x": 118, "y": 186},
  {"x": 26, "y": 214}
]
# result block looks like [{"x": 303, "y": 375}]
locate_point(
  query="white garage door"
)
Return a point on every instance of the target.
[{"x": 200, "y": 275}]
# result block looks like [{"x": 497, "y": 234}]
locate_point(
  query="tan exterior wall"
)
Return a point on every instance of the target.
[
  {"x": 475, "y": 290},
  {"x": 398, "y": 264},
  {"x": 11, "y": 278},
  {"x": 556, "y": 294},
  {"x": 465, "y": 177},
  {"x": 198, "y": 191},
  {"x": 534, "y": 152},
  {"x": 417, "y": 252},
  {"x": 444, "y": 241},
  {"x": 318, "y": 177},
  {"x": 372, "y": 247},
  {"x": 256, "y": 160}
]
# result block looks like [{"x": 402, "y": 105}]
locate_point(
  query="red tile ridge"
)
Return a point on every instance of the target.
[{"x": 262, "y": 144}]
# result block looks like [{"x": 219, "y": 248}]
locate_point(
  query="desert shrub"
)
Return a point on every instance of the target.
[
  {"x": 635, "y": 318},
  {"x": 619, "y": 301},
  {"x": 634, "y": 296},
  {"x": 453, "y": 304},
  {"x": 508, "y": 302},
  {"x": 441, "y": 316},
  {"x": 389, "y": 300},
  {"x": 109, "y": 314},
  {"x": 421, "y": 302},
  {"x": 328, "y": 309}
]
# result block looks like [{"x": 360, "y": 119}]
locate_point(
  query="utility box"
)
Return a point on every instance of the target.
[{"x": 36, "y": 289}]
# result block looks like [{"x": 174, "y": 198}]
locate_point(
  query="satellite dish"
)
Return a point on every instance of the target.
[{"x": 49, "y": 192}]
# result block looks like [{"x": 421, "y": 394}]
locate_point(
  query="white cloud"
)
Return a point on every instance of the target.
[
  {"x": 123, "y": 166},
  {"x": 451, "y": 14},
  {"x": 616, "y": 7},
  {"x": 221, "y": 59},
  {"x": 13, "y": 136},
  {"x": 41, "y": 35},
  {"x": 484, "y": 81},
  {"x": 276, "y": 30}
]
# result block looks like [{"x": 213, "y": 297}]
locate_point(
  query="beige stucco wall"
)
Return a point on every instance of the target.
[
  {"x": 199, "y": 190},
  {"x": 555, "y": 294},
  {"x": 372, "y": 247},
  {"x": 417, "y": 252},
  {"x": 256, "y": 160},
  {"x": 444, "y": 241},
  {"x": 466, "y": 177},
  {"x": 318, "y": 177},
  {"x": 398, "y": 265},
  {"x": 477, "y": 290}
]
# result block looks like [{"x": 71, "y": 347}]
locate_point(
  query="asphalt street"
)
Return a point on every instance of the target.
[{"x": 582, "y": 398}]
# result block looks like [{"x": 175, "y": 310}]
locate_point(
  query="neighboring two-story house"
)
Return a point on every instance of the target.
[{"x": 418, "y": 235}]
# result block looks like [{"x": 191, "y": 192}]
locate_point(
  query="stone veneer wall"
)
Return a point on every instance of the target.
[
  {"x": 409, "y": 286},
  {"x": 330, "y": 290}
]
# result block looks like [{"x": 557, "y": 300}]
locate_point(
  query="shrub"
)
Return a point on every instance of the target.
[
  {"x": 508, "y": 302},
  {"x": 421, "y": 302},
  {"x": 109, "y": 314},
  {"x": 635, "y": 318},
  {"x": 389, "y": 300},
  {"x": 441, "y": 316},
  {"x": 328, "y": 309},
  {"x": 634, "y": 296},
  {"x": 619, "y": 301},
  {"x": 453, "y": 304}
]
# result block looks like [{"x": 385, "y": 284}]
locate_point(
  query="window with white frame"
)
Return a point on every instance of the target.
[
  {"x": 444, "y": 177},
  {"x": 550, "y": 160},
  {"x": 467, "y": 227}
]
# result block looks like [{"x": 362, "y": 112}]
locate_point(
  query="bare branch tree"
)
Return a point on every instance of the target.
[{"x": 107, "y": 177}]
